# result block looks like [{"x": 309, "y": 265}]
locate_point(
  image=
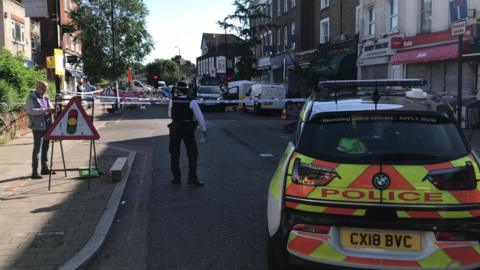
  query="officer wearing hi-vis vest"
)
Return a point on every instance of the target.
[{"x": 186, "y": 116}]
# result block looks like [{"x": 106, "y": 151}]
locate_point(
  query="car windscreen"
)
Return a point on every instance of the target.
[
  {"x": 382, "y": 138},
  {"x": 209, "y": 90}
]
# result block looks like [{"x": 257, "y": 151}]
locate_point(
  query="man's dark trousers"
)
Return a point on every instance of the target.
[
  {"x": 183, "y": 130},
  {"x": 39, "y": 144}
]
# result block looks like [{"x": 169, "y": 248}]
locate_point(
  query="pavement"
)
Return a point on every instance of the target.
[{"x": 64, "y": 227}]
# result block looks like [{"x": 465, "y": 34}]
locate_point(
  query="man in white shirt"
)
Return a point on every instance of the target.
[{"x": 186, "y": 116}]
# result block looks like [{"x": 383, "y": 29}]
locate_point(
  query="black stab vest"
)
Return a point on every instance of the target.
[{"x": 181, "y": 109}]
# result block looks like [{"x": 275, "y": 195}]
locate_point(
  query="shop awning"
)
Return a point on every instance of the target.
[
  {"x": 74, "y": 73},
  {"x": 342, "y": 63},
  {"x": 438, "y": 53}
]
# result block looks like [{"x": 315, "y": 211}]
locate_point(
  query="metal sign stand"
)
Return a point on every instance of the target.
[{"x": 93, "y": 151}]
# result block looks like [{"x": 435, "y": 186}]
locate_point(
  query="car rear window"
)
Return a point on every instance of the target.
[{"x": 382, "y": 138}]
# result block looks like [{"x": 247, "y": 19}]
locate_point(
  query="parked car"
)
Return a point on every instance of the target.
[
  {"x": 258, "y": 92},
  {"x": 137, "y": 86},
  {"x": 210, "y": 94}
]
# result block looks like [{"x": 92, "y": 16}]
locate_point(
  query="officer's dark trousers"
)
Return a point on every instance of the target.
[
  {"x": 183, "y": 131},
  {"x": 39, "y": 144}
]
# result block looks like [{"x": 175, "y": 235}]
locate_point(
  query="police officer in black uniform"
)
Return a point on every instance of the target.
[{"x": 186, "y": 116}]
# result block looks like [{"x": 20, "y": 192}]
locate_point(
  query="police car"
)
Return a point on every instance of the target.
[{"x": 378, "y": 177}]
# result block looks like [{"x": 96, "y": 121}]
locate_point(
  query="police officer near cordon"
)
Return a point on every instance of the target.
[{"x": 186, "y": 116}]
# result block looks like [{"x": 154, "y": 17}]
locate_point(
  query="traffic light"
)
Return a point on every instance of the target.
[
  {"x": 155, "y": 81},
  {"x": 72, "y": 122}
]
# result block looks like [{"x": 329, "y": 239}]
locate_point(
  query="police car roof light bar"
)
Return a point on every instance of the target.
[{"x": 372, "y": 83}]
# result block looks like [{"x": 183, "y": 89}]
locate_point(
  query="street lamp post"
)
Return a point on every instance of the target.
[
  {"x": 114, "y": 71},
  {"x": 112, "y": 18}
]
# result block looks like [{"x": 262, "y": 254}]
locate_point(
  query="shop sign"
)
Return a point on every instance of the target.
[
  {"x": 437, "y": 37},
  {"x": 379, "y": 48}
]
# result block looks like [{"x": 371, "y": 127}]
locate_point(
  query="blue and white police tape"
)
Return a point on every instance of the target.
[
  {"x": 156, "y": 101},
  {"x": 83, "y": 93}
]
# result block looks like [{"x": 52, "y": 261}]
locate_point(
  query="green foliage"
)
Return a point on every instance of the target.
[
  {"x": 167, "y": 70},
  {"x": 132, "y": 41},
  {"x": 248, "y": 20},
  {"x": 8, "y": 97},
  {"x": 17, "y": 81}
]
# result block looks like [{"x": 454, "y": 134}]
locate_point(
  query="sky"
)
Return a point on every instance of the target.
[{"x": 180, "y": 23}]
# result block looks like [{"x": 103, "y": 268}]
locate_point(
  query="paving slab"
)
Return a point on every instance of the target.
[{"x": 42, "y": 229}]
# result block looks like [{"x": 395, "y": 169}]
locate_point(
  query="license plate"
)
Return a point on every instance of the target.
[
  {"x": 386, "y": 240},
  {"x": 268, "y": 103}
]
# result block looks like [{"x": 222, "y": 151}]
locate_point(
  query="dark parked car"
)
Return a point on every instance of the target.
[{"x": 209, "y": 97}]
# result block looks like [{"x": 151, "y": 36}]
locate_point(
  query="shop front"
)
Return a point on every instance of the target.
[
  {"x": 374, "y": 58},
  {"x": 434, "y": 58}
]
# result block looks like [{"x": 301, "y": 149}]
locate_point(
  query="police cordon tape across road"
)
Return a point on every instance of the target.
[
  {"x": 157, "y": 101},
  {"x": 104, "y": 100}
]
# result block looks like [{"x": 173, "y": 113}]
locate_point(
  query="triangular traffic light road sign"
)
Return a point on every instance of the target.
[{"x": 72, "y": 124}]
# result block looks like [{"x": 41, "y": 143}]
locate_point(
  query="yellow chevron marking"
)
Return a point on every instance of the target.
[
  {"x": 403, "y": 214},
  {"x": 455, "y": 214},
  {"x": 349, "y": 174},
  {"x": 311, "y": 208},
  {"x": 415, "y": 176},
  {"x": 360, "y": 213},
  {"x": 291, "y": 237},
  {"x": 327, "y": 252},
  {"x": 438, "y": 260}
]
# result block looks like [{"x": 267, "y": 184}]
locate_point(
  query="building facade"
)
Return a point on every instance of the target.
[
  {"x": 15, "y": 29},
  {"x": 69, "y": 42},
  {"x": 308, "y": 41},
  {"x": 379, "y": 22},
  {"x": 413, "y": 39},
  {"x": 219, "y": 55},
  {"x": 293, "y": 32},
  {"x": 336, "y": 36}
]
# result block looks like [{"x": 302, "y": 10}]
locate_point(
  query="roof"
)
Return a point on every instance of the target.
[
  {"x": 217, "y": 40},
  {"x": 394, "y": 101}
]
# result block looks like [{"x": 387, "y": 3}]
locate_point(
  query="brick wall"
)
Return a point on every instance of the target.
[{"x": 15, "y": 124}]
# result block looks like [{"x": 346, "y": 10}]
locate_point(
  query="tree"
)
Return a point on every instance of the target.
[
  {"x": 16, "y": 80},
  {"x": 248, "y": 20},
  {"x": 167, "y": 71},
  {"x": 132, "y": 41}
]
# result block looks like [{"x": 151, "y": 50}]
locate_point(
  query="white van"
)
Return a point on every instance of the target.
[
  {"x": 238, "y": 89},
  {"x": 262, "y": 92}
]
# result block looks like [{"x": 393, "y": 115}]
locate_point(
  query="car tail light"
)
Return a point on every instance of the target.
[
  {"x": 312, "y": 228},
  {"x": 455, "y": 236},
  {"x": 311, "y": 175},
  {"x": 462, "y": 178}
]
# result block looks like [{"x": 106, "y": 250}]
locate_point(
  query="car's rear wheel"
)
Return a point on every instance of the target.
[{"x": 277, "y": 254}]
